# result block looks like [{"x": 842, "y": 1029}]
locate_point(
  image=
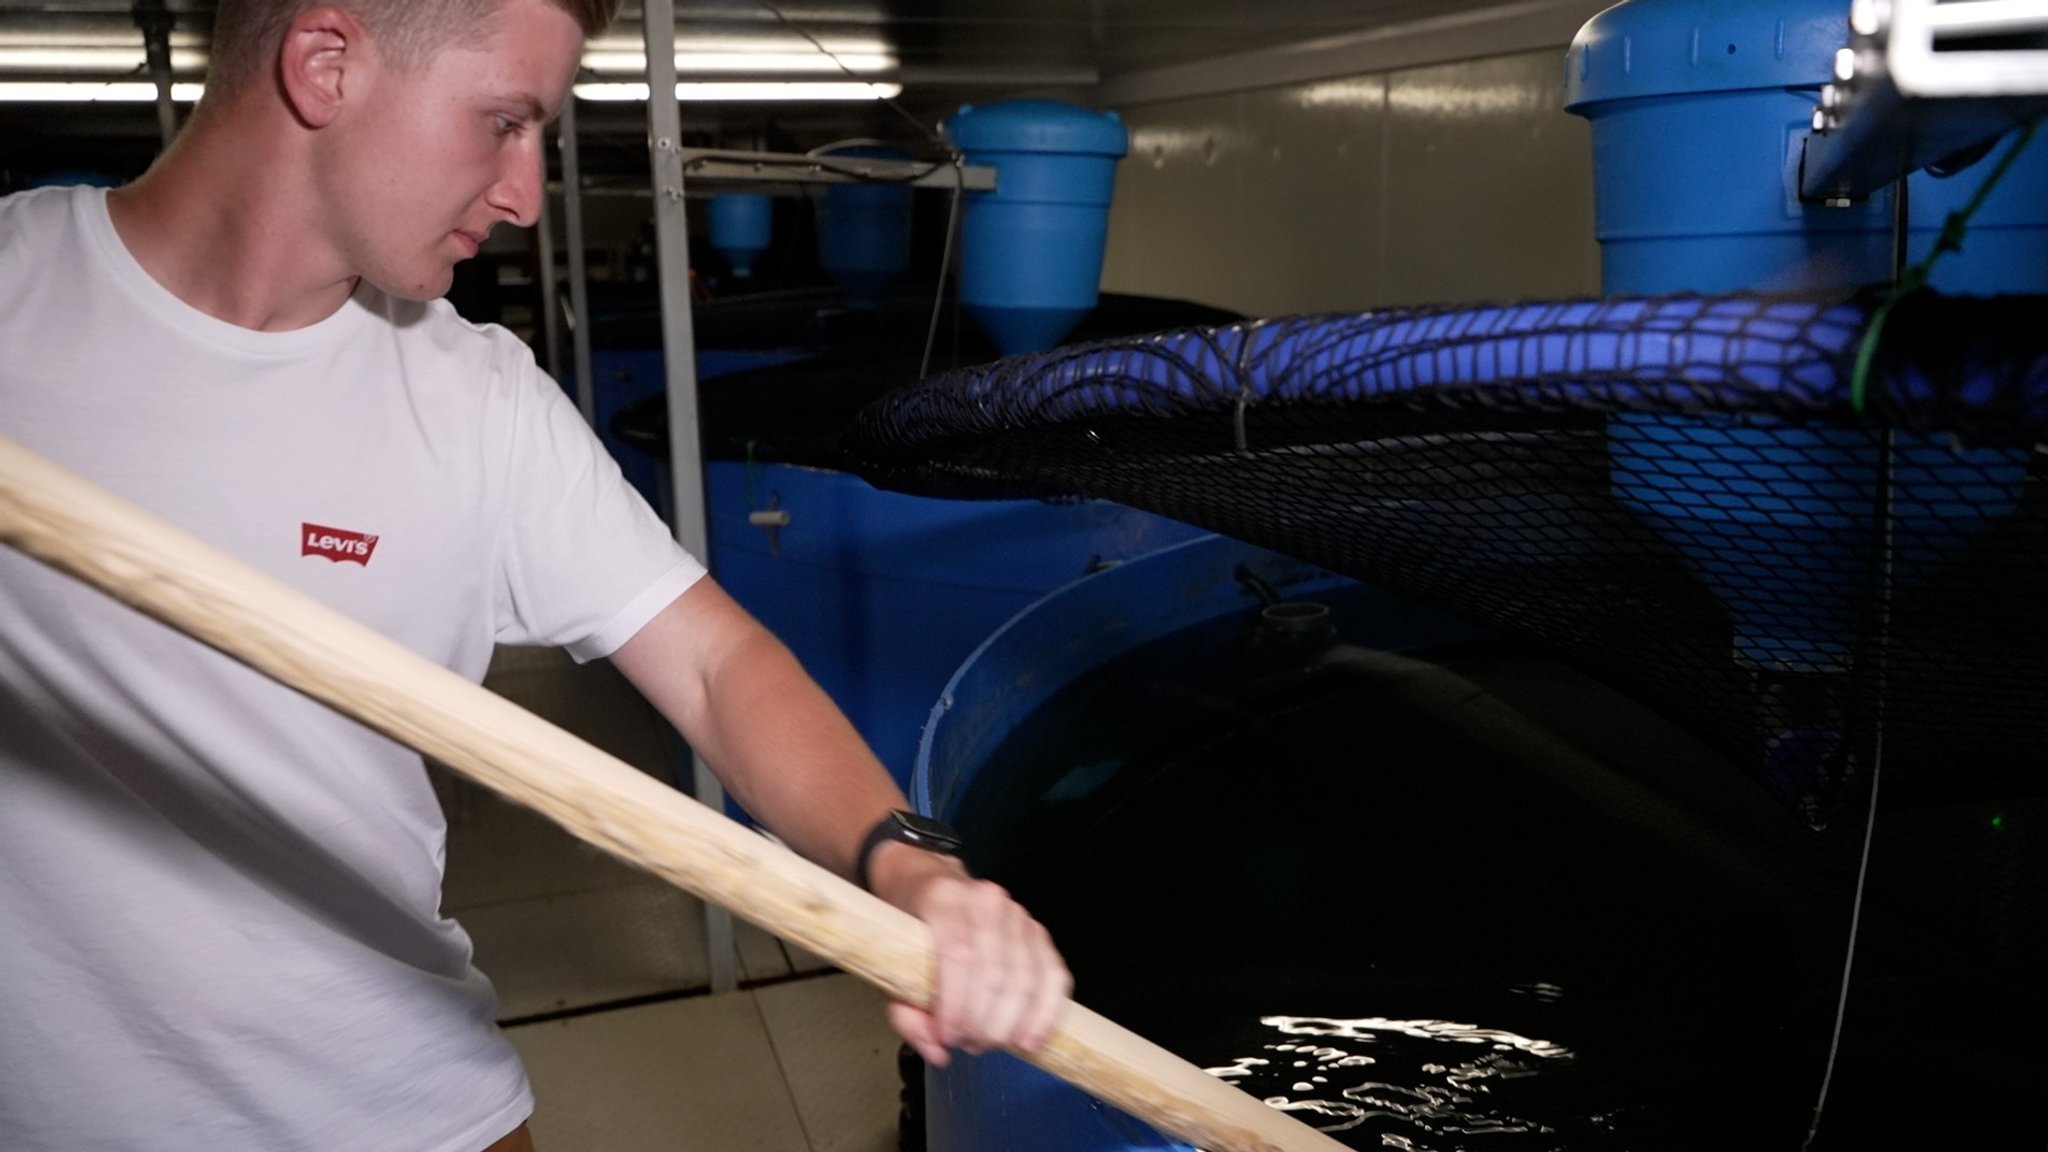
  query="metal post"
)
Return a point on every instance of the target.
[
  {"x": 579, "y": 293},
  {"x": 156, "y": 21},
  {"x": 679, "y": 354}
]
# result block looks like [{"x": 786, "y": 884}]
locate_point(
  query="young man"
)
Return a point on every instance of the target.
[{"x": 219, "y": 903}]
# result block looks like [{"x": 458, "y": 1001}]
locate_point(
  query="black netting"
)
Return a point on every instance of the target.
[
  {"x": 845, "y": 356},
  {"x": 1688, "y": 496}
]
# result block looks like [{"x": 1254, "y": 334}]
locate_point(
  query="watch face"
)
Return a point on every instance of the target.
[{"x": 926, "y": 831}]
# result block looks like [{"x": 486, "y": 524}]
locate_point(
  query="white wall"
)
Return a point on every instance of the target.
[{"x": 1452, "y": 182}]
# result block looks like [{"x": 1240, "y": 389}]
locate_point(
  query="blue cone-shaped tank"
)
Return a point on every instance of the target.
[
  {"x": 1031, "y": 251},
  {"x": 741, "y": 226},
  {"x": 864, "y": 229},
  {"x": 1700, "y": 110}
]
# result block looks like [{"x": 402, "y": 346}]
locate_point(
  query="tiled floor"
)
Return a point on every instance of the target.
[
  {"x": 601, "y": 971},
  {"x": 805, "y": 1066}
]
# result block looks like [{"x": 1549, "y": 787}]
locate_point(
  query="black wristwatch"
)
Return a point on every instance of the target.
[{"x": 907, "y": 828}]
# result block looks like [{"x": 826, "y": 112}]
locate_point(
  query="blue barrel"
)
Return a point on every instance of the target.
[
  {"x": 741, "y": 225},
  {"x": 1700, "y": 110},
  {"x": 864, "y": 229},
  {"x": 1031, "y": 251}
]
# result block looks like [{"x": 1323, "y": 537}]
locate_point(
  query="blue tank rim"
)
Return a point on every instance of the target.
[
  {"x": 1037, "y": 125},
  {"x": 1295, "y": 576},
  {"x": 1667, "y": 48}
]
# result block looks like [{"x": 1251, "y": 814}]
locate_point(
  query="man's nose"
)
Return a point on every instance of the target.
[{"x": 519, "y": 188}]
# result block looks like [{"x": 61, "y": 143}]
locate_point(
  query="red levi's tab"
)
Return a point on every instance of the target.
[{"x": 337, "y": 544}]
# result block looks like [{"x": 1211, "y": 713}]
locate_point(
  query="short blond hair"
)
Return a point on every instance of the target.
[{"x": 248, "y": 33}]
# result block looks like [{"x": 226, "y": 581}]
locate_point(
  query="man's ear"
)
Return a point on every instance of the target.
[{"x": 324, "y": 57}]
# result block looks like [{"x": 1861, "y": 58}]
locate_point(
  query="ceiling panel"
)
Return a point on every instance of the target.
[
  {"x": 945, "y": 51},
  {"x": 1114, "y": 36}
]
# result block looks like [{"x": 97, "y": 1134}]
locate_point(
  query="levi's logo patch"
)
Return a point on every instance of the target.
[{"x": 337, "y": 544}]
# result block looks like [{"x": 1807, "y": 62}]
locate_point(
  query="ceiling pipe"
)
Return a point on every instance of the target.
[{"x": 155, "y": 21}]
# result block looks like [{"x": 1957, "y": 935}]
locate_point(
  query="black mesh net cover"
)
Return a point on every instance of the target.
[{"x": 1694, "y": 498}]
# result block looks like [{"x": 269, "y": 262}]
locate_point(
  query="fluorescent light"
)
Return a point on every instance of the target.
[
  {"x": 610, "y": 92},
  {"x": 625, "y": 57},
  {"x": 79, "y": 92},
  {"x": 634, "y": 63},
  {"x": 91, "y": 58},
  {"x": 709, "y": 91}
]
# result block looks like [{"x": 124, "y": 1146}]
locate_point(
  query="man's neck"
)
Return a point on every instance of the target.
[{"x": 212, "y": 223}]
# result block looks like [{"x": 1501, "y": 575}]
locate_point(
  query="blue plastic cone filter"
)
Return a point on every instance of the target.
[
  {"x": 741, "y": 225},
  {"x": 864, "y": 229},
  {"x": 1700, "y": 110},
  {"x": 1031, "y": 251}
]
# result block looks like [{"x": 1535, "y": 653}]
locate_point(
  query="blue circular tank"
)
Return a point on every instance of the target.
[
  {"x": 864, "y": 229},
  {"x": 1031, "y": 251},
  {"x": 741, "y": 224},
  {"x": 852, "y": 566},
  {"x": 996, "y": 1102},
  {"x": 1700, "y": 111},
  {"x": 70, "y": 177}
]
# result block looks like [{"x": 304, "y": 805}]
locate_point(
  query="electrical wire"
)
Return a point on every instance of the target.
[
  {"x": 953, "y": 156},
  {"x": 931, "y": 336},
  {"x": 1849, "y": 960},
  {"x": 944, "y": 145},
  {"x": 1901, "y": 229},
  {"x": 1882, "y": 630}
]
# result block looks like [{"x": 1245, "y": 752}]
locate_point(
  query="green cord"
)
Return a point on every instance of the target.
[{"x": 1915, "y": 278}]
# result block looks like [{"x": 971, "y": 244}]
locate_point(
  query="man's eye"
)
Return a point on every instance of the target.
[{"x": 506, "y": 125}]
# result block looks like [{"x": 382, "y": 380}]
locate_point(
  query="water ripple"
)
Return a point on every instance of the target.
[{"x": 1417, "y": 1099}]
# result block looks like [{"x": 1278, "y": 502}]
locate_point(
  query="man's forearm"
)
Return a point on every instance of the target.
[
  {"x": 792, "y": 758},
  {"x": 776, "y": 740}
]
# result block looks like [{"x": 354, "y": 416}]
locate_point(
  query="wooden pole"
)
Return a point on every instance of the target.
[{"x": 78, "y": 528}]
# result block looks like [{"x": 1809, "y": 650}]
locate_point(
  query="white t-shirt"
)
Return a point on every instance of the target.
[{"x": 220, "y": 921}]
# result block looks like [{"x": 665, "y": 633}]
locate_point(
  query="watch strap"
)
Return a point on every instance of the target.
[{"x": 905, "y": 828}]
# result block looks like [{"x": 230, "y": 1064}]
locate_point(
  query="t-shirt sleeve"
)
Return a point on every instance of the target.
[{"x": 584, "y": 562}]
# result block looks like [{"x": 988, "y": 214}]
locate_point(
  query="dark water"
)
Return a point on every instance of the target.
[{"x": 1415, "y": 936}]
